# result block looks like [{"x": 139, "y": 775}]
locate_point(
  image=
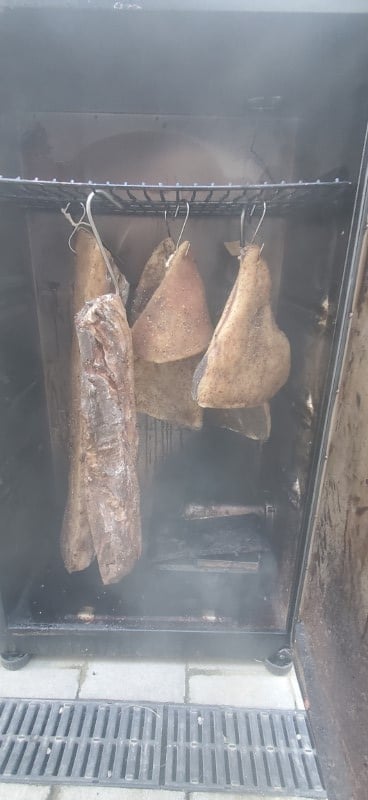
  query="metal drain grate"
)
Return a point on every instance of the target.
[{"x": 159, "y": 746}]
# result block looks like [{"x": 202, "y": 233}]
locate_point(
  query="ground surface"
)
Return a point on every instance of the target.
[{"x": 249, "y": 685}]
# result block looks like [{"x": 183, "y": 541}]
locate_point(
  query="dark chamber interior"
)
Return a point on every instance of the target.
[{"x": 189, "y": 98}]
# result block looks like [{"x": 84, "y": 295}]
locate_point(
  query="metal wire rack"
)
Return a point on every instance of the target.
[{"x": 154, "y": 199}]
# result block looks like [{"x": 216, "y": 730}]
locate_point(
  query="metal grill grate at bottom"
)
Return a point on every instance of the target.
[{"x": 168, "y": 746}]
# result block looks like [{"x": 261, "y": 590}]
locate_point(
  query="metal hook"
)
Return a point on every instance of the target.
[
  {"x": 242, "y": 220},
  {"x": 98, "y": 240},
  {"x": 260, "y": 221},
  {"x": 86, "y": 209},
  {"x": 76, "y": 225},
  {"x": 65, "y": 211},
  {"x": 184, "y": 223}
]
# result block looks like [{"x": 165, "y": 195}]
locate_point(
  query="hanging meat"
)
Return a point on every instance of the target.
[
  {"x": 254, "y": 423},
  {"x": 175, "y": 323},
  {"x": 91, "y": 279},
  {"x": 163, "y": 391},
  {"x": 153, "y": 273},
  {"x": 248, "y": 359},
  {"x": 111, "y": 440}
]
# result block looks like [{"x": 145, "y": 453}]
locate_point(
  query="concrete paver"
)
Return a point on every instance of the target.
[
  {"x": 103, "y": 793},
  {"x": 296, "y": 690},
  {"x": 43, "y": 678},
  {"x": 248, "y": 684},
  {"x": 155, "y": 681},
  {"x": 245, "y": 684},
  {"x": 19, "y": 791}
]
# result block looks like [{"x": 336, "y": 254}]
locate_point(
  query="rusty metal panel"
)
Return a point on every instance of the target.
[
  {"x": 335, "y": 603},
  {"x": 339, "y": 564}
]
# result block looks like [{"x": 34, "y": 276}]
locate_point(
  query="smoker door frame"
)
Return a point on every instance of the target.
[
  {"x": 330, "y": 649},
  {"x": 143, "y": 642},
  {"x": 244, "y": 642},
  {"x": 336, "y": 366}
]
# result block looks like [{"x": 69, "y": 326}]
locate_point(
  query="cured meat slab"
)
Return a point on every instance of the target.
[
  {"x": 91, "y": 279},
  {"x": 175, "y": 323},
  {"x": 153, "y": 273},
  {"x": 164, "y": 391},
  {"x": 248, "y": 359},
  {"x": 254, "y": 423},
  {"x": 111, "y": 441}
]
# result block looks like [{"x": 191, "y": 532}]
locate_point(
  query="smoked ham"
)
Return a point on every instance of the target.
[
  {"x": 175, "y": 323},
  {"x": 248, "y": 359},
  {"x": 153, "y": 273},
  {"x": 163, "y": 391},
  {"x": 254, "y": 423},
  {"x": 111, "y": 440},
  {"x": 91, "y": 279}
]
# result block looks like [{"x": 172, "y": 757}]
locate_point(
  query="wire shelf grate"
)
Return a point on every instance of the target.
[{"x": 154, "y": 199}]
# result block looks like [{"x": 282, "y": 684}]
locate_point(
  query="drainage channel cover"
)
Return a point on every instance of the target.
[{"x": 166, "y": 746}]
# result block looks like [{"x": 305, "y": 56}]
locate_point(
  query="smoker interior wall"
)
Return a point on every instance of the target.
[
  {"x": 173, "y": 463},
  {"x": 335, "y": 607},
  {"x": 314, "y": 255},
  {"x": 313, "y": 262},
  {"x": 188, "y": 64},
  {"x": 192, "y": 63},
  {"x": 24, "y": 489}
]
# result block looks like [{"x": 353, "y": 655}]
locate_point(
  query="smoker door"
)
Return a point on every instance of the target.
[{"x": 331, "y": 629}]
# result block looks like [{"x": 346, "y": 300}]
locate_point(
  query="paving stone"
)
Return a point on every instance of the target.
[
  {"x": 249, "y": 685},
  {"x": 254, "y": 670},
  {"x": 156, "y": 681},
  {"x": 42, "y": 677},
  {"x": 225, "y": 666},
  {"x": 299, "y": 703},
  {"x": 103, "y": 793},
  {"x": 19, "y": 791}
]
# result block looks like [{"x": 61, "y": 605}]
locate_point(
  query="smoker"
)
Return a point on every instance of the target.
[{"x": 237, "y": 126}]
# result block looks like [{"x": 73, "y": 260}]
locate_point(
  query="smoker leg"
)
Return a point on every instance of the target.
[
  {"x": 280, "y": 663},
  {"x": 14, "y": 661}
]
